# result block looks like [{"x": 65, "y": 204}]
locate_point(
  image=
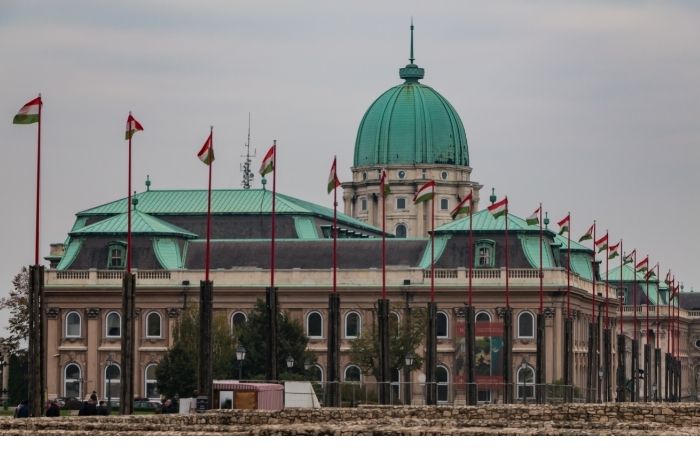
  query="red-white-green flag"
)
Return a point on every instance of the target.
[
  {"x": 614, "y": 251},
  {"x": 384, "y": 181},
  {"x": 643, "y": 265},
  {"x": 668, "y": 277},
  {"x": 206, "y": 154},
  {"x": 333, "y": 181},
  {"x": 588, "y": 234},
  {"x": 464, "y": 206},
  {"x": 28, "y": 113},
  {"x": 132, "y": 126},
  {"x": 650, "y": 274},
  {"x": 602, "y": 243},
  {"x": 425, "y": 193},
  {"x": 499, "y": 208},
  {"x": 629, "y": 257},
  {"x": 268, "y": 162},
  {"x": 534, "y": 218},
  {"x": 564, "y": 224}
]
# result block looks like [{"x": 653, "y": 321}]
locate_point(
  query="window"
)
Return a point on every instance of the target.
[
  {"x": 116, "y": 256},
  {"x": 150, "y": 382},
  {"x": 444, "y": 204},
  {"x": 482, "y": 316},
  {"x": 73, "y": 325},
  {"x": 622, "y": 293},
  {"x": 400, "y": 231},
  {"x": 402, "y": 174},
  {"x": 526, "y": 325},
  {"x": 485, "y": 254},
  {"x": 442, "y": 377},
  {"x": 423, "y": 173},
  {"x": 153, "y": 325},
  {"x": 364, "y": 176},
  {"x": 112, "y": 381},
  {"x": 483, "y": 396},
  {"x": 352, "y": 373},
  {"x": 114, "y": 325},
  {"x": 441, "y": 325},
  {"x": 352, "y": 325},
  {"x": 72, "y": 386},
  {"x": 401, "y": 203},
  {"x": 237, "y": 319},
  {"x": 363, "y": 204},
  {"x": 443, "y": 175},
  {"x": 316, "y": 373},
  {"x": 526, "y": 382},
  {"x": 394, "y": 321},
  {"x": 314, "y": 325}
]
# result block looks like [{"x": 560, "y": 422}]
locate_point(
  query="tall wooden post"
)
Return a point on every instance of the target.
[
  {"x": 272, "y": 330},
  {"x": 333, "y": 355},
  {"x": 657, "y": 374},
  {"x": 431, "y": 356},
  {"x": 647, "y": 371},
  {"x": 635, "y": 370},
  {"x": 592, "y": 369},
  {"x": 384, "y": 357},
  {"x": 37, "y": 345},
  {"x": 126, "y": 394},
  {"x": 568, "y": 360},
  {"x": 540, "y": 382},
  {"x": 507, "y": 355},
  {"x": 471, "y": 355},
  {"x": 206, "y": 316},
  {"x": 621, "y": 369},
  {"x": 607, "y": 365}
]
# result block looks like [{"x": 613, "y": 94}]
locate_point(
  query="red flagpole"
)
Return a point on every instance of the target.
[
  {"x": 648, "y": 302},
  {"x": 658, "y": 306},
  {"x": 607, "y": 285},
  {"x": 470, "y": 254},
  {"x": 381, "y": 187},
  {"x": 541, "y": 269},
  {"x": 38, "y": 186},
  {"x": 593, "y": 276},
  {"x": 568, "y": 271},
  {"x": 128, "y": 232},
  {"x": 335, "y": 229},
  {"x": 208, "y": 249},
  {"x": 668, "y": 316},
  {"x": 507, "y": 274},
  {"x": 274, "y": 191},
  {"x": 622, "y": 292},
  {"x": 432, "y": 248},
  {"x": 634, "y": 292}
]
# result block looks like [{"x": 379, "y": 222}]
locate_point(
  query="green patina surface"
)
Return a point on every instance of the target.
[
  {"x": 531, "y": 248},
  {"x": 629, "y": 275},
  {"x": 440, "y": 244},
  {"x": 305, "y": 227},
  {"x": 581, "y": 264},
  {"x": 168, "y": 253},
  {"x": 484, "y": 221},
  {"x": 575, "y": 246},
  {"x": 73, "y": 247},
  {"x": 141, "y": 223}
]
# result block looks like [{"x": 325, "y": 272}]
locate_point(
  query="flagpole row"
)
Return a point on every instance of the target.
[{"x": 38, "y": 187}]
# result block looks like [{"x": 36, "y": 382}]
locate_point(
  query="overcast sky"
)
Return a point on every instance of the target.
[{"x": 589, "y": 106}]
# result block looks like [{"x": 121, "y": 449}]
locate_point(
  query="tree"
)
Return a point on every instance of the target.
[
  {"x": 291, "y": 342},
  {"x": 18, "y": 305},
  {"x": 176, "y": 373},
  {"x": 17, "y": 387},
  {"x": 403, "y": 338}
]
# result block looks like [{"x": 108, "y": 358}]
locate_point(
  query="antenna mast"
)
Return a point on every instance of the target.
[{"x": 248, "y": 175}]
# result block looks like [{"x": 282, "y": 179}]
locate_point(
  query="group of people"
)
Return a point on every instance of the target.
[{"x": 92, "y": 408}]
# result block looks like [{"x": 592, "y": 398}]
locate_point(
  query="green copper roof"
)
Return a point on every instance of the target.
[
  {"x": 72, "y": 249},
  {"x": 440, "y": 244},
  {"x": 306, "y": 228},
  {"x": 628, "y": 274},
  {"x": 411, "y": 124},
  {"x": 483, "y": 221},
  {"x": 168, "y": 253},
  {"x": 581, "y": 264},
  {"x": 531, "y": 249},
  {"x": 575, "y": 246},
  {"x": 224, "y": 201},
  {"x": 141, "y": 223}
]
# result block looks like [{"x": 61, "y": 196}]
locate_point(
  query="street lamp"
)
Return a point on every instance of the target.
[
  {"x": 523, "y": 368},
  {"x": 290, "y": 362},
  {"x": 240, "y": 356},
  {"x": 307, "y": 364},
  {"x": 600, "y": 384},
  {"x": 109, "y": 362},
  {"x": 409, "y": 359}
]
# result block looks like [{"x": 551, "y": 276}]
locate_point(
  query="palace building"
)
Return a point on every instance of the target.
[{"x": 416, "y": 135}]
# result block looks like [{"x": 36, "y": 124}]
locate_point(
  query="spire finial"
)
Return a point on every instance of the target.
[
  {"x": 546, "y": 220},
  {"x": 493, "y": 196},
  {"x": 148, "y": 183},
  {"x": 411, "y": 58}
]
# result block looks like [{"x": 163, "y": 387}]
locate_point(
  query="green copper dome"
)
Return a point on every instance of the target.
[{"x": 411, "y": 124}]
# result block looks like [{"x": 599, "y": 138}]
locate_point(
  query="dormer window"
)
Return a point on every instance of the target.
[
  {"x": 485, "y": 254},
  {"x": 116, "y": 256}
]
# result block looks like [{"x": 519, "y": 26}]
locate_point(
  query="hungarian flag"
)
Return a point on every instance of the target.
[
  {"x": 384, "y": 181},
  {"x": 132, "y": 126},
  {"x": 464, "y": 206},
  {"x": 650, "y": 274},
  {"x": 588, "y": 234},
  {"x": 206, "y": 154},
  {"x": 333, "y": 181},
  {"x": 534, "y": 218},
  {"x": 613, "y": 251},
  {"x": 629, "y": 258},
  {"x": 425, "y": 193},
  {"x": 602, "y": 243},
  {"x": 643, "y": 265},
  {"x": 268, "y": 162},
  {"x": 499, "y": 208},
  {"x": 564, "y": 224},
  {"x": 29, "y": 113},
  {"x": 668, "y": 277}
]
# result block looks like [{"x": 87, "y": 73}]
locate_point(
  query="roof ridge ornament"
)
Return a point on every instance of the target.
[{"x": 411, "y": 73}]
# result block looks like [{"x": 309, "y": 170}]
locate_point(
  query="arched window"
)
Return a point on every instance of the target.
[
  {"x": 72, "y": 385},
  {"x": 113, "y": 323},
  {"x": 112, "y": 381},
  {"x": 442, "y": 376},
  {"x": 73, "y": 324},
  {"x": 237, "y": 319},
  {"x": 400, "y": 231},
  {"x": 314, "y": 325},
  {"x": 526, "y": 382},
  {"x": 150, "y": 382},
  {"x": 441, "y": 325},
  {"x": 526, "y": 325},
  {"x": 484, "y": 256},
  {"x": 353, "y": 325},
  {"x": 316, "y": 373},
  {"x": 394, "y": 322},
  {"x": 352, "y": 373},
  {"x": 153, "y": 325},
  {"x": 482, "y": 316}
]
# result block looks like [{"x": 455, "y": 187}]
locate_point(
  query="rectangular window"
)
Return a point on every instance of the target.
[
  {"x": 444, "y": 204},
  {"x": 116, "y": 257},
  {"x": 484, "y": 257},
  {"x": 363, "y": 204},
  {"x": 400, "y": 203},
  {"x": 622, "y": 293}
]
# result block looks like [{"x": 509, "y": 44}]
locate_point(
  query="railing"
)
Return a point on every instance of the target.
[
  {"x": 73, "y": 275},
  {"x": 485, "y": 274},
  {"x": 153, "y": 274},
  {"x": 442, "y": 273},
  {"x": 110, "y": 274}
]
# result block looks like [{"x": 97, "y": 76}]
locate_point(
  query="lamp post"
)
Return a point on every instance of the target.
[
  {"x": 523, "y": 368},
  {"x": 109, "y": 362},
  {"x": 600, "y": 384},
  {"x": 408, "y": 359},
  {"x": 240, "y": 356},
  {"x": 290, "y": 362}
]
